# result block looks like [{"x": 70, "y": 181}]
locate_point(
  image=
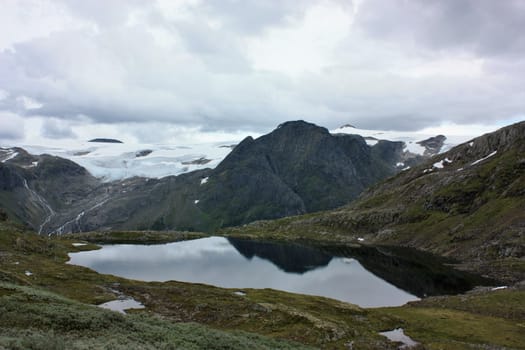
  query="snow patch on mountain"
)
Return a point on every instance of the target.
[
  {"x": 484, "y": 158},
  {"x": 7, "y": 154},
  {"x": 116, "y": 161},
  {"x": 441, "y": 164},
  {"x": 410, "y": 138},
  {"x": 371, "y": 142}
]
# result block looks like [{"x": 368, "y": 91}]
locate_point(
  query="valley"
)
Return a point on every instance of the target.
[{"x": 446, "y": 229}]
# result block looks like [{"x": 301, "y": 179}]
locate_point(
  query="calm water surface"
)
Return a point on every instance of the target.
[{"x": 233, "y": 263}]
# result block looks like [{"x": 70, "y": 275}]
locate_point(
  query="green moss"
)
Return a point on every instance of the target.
[
  {"x": 505, "y": 303},
  {"x": 451, "y": 329},
  {"x": 415, "y": 213},
  {"x": 32, "y": 318},
  {"x": 377, "y": 201},
  {"x": 139, "y": 237}
]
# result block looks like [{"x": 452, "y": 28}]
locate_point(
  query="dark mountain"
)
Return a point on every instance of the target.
[
  {"x": 297, "y": 168},
  {"x": 468, "y": 203},
  {"x": 36, "y": 190},
  {"x": 103, "y": 140},
  {"x": 433, "y": 145}
]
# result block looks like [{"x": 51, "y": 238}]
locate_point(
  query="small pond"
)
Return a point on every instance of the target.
[{"x": 369, "y": 277}]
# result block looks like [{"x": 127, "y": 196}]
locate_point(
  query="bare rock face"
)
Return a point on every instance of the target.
[
  {"x": 432, "y": 145},
  {"x": 105, "y": 140},
  {"x": 143, "y": 153},
  {"x": 198, "y": 161},
  {"x": 9, "y": 179}
]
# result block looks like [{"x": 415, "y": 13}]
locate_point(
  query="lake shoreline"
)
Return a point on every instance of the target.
[{"x": 492, "y": 317}]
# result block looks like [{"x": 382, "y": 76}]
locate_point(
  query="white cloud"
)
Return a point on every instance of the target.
[
  {"x": 23, "y": 20},
  {"x": 303, "y": 44},
  {"x": 11, "y": 127},
  {"x": 56, "y": 129},
  {"x": 223, "y": 66},
  {"x": 28, "y": 102}
]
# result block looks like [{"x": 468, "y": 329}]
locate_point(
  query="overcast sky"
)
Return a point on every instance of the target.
[{"x": 186, "y": 70}]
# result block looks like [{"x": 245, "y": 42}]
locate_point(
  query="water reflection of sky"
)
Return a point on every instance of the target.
[{"x": 215, "y": 261}]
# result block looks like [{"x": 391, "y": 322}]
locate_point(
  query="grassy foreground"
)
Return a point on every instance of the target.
[
  {"x": 36, "y": 319},
  {"x": 45, "y": 304}
]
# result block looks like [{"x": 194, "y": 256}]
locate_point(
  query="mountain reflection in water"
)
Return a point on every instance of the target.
[
  {"x": 288, "y": 257},
  {"x": 364, "y": 276},
  {"x": 419, "y": 273}
]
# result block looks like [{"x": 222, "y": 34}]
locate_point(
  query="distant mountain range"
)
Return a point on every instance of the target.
[
  {"x": 111, "y": 159},
  {"x": 297, "y": 168}
]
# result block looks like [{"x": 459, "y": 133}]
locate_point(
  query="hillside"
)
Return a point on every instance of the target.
[{"x": 467, "y": 203}]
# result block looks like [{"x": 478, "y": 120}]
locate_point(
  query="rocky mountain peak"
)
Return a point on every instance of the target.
[
  {"x": 347, "y": 126},
  {"x": 299, "y": 128},
  {"x": 299, "y": 167},
  {"x": 432, "y": 145}
]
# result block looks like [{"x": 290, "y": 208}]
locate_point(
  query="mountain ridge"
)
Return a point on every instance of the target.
[
  {"x": 298, "y": 168},
  {"x": 467, "y": 203}
]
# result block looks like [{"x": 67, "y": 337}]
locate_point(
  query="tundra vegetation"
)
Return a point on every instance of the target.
[{"x": 46, "y": 303}]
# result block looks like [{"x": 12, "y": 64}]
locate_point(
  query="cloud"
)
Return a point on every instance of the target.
[
  {"x": 12, "y": 126},
  {"x": 28, "y": 103},
  {"x": 106, "y": 13},
  {"x": 254, "y": 16},
  {"x": 223, "y": 66},
  {"x": 57, "y": 129},
  {"x": 484, "y": 27}
]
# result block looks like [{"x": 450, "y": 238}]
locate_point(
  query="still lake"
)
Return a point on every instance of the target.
[{"x": 339, "y": 273}]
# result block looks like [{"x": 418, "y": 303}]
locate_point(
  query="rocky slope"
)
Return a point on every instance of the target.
[
  {"x": 37, "y": 189},
  {"x": 297, "y": 168},
  {"x": 468, "y": 203}
]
